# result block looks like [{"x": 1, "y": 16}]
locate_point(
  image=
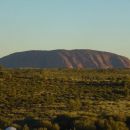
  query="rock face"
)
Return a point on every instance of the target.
[
  {"x": 10, "y": 128},
  {"x": 65, "y": 59}
]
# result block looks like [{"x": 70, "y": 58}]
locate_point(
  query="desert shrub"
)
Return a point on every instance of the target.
[
  {"x": 84, "y": 125},
  {"x": 128, "y": 121},
  {"x": 25, "y": 127},
  {"x": 4, "y": 122},
  {"x": 65, "y": 122},
  {"x": 110, "y": 124},
  {"x": 49, "y": 126}
]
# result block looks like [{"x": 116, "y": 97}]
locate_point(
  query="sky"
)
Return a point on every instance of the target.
[{"x": 65, "y": 24}]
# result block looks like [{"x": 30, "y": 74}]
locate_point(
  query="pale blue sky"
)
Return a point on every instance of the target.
[{"x": 65, "y": 24}]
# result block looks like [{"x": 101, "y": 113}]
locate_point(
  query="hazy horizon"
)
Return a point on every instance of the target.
[{"x": 63, "y": 24}]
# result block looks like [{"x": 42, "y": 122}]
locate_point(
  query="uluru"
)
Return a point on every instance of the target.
[{"x": 78, "y": 58}]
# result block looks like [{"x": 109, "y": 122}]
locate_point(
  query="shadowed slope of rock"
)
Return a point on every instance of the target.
[{"x": 65, "y": 59}]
